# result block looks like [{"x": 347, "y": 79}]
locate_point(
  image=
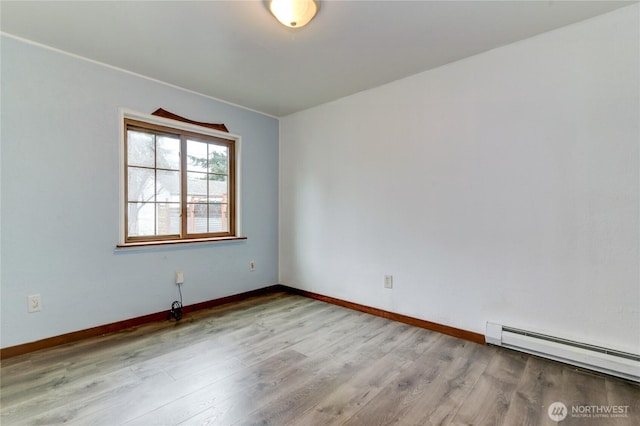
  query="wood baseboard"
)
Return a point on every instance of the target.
[
  {"x": 444, "y": 329},
  {"x": 162, "y": 316},
  {"x": 100, "y": 330}
]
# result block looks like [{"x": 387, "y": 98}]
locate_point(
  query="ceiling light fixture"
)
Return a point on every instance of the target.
[{"x": 293, "y": 13}]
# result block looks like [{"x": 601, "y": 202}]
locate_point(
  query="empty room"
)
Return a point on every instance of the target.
[{"x": 320, "y": 212}]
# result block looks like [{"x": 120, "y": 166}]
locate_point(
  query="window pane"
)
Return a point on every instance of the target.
[
  {"x": 178, "y": 184},
  {"x": 140, "y": 184},
  {"x": 197, "y": 187},
  {"x": 196, "y": 218},
  {"x": 218, "y": 218},
  {"x": 218, "y": 189},
  {"x": 141, "y": 219},
  {"x": 197, "y": 156},
  {"x": 168, "y": 217},
  {"x": 168, "y": 186},
  {"x": 218, "y": 159},
  {"x": 168, "y": 152},
  {"x": 140, "y": 149}
]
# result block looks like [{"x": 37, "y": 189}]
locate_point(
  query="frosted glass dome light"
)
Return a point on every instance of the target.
[{"x": 293, "y": 13}]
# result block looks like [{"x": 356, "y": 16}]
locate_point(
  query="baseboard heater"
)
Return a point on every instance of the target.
[{"x": 613, "y": 362}]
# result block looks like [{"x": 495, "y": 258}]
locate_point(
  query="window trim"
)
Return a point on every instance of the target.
[{"x": 164, "y": 124}]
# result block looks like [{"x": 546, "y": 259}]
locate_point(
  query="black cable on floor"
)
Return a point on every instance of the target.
[{"x": 176, "y": 307}]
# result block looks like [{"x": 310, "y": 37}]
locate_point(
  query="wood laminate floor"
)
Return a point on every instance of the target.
[{"x": 282, "y": 359}]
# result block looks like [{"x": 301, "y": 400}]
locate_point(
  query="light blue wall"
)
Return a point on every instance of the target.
[{"x": 60, "y": 194}]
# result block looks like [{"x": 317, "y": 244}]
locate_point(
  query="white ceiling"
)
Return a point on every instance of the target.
[{"x": 236, "y": 51}]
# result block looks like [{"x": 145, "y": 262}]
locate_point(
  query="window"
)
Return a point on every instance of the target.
[{"x": 179, "y": 183}]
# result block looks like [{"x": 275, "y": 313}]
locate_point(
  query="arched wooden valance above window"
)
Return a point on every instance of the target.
[{"x": 166, "y": 114}]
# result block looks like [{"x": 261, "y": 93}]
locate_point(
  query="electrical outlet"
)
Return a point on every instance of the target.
[
  {"x": 388, "y": 281},
  {"x": 180, "y": 277},
  {"x": 34, "y": 303},
  {"x": 252, "y": 265}
]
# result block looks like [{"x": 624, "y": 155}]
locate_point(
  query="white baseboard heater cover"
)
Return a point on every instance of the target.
[{"x": 615, "y": 363}]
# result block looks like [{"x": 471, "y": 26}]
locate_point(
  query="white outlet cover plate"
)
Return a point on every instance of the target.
[
  {"x": 34, "y": 303},
  {"x": 388, "y": 281}
]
